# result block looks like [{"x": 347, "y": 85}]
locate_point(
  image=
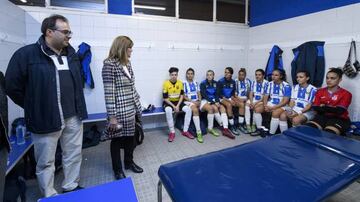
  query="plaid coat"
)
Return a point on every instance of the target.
[{"x": 121, "y": 98}]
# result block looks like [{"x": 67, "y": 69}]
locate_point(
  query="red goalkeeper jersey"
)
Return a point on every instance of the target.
[{"x": 340, "y": 98}]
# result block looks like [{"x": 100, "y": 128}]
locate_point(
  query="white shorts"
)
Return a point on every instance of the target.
[
  {"x": 202, "y": 103},
  {"x": 188, "y": 103},
  {"x": 243, "y": 97},
  {"x": 254, "y": 102},
  {"x": 271, "y": 105},
  {"x": 309, "y": 114}
]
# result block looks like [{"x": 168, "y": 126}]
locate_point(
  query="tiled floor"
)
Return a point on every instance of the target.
[{"x": 96, "y": 166}]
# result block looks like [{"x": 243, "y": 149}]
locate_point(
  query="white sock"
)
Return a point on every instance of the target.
[
  {"x": 274, "y": 123},
  {"x": 241, "y": 119},
  {"x": 231, "y": 121},
  {"x": 196, "y": 120},
  {"x": 218, "y": 118},
  {"x": 224, "y": 119},
  {"x": 210, "y": 119},
  {"x": 169, "y": 119},
  {"x": 187, "y": 120},
  {"x": 283, "y": 126},
  {"x": 247, "y": 115},
  {"x": 258, "y": 120}
]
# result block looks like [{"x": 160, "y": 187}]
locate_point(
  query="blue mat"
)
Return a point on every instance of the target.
[
  {"x": 280, "y": 168},
  {"x": 120, "y": 190}
]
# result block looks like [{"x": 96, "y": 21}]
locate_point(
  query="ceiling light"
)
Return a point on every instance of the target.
[
  {"x": 24, "y": 1},
  {"x": 150, "y": 7}
]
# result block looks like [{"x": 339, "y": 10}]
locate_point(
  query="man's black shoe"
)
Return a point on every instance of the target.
[
  {"x": 119, "y": 175},
  {"x": 75, "y": 189},
  {"x": 135, "y": 168}
]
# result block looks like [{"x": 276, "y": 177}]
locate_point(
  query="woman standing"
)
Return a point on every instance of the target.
[{"x": 122, "y": 104}]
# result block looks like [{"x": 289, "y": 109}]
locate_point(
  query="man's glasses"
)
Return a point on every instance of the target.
[{"x": 67, "y": 33}]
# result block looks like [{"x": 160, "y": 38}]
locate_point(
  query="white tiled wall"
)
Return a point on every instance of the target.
[
  {"x": 159, "y": 44},
  {"x": 336, "y": 27},
  {"x": 12, "y": 37}
]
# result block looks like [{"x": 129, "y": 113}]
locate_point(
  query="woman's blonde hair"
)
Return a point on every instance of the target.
[{"x": 118, "y": 50}]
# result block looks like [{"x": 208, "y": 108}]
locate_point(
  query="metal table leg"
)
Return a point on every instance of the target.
[{"x": 159, "y": 191}]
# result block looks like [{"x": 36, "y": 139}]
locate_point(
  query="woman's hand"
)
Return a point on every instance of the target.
[
  {"x": 177, "y": 109},
  {"x": 113, "y": 124},
  {"x": 268, "y": 108}
]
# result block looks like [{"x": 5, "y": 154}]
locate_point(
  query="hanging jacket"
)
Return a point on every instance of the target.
[
  {"x": 309, "y": 56},
  {"x": 84, "y": 54},
  {"x": 274, "y": 62}
]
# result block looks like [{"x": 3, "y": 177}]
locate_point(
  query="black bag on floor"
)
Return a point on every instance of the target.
[
  {"x": 139, "y": 131},
  {"x": 91, "y": 137}
]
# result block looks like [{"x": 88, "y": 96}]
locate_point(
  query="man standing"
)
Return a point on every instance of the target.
[{"x": 44, "y": 78}]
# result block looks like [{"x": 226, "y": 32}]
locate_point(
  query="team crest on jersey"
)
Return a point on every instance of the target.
[
  {"x": 231, "y": 85},
  {"x": 215, "y": 85},
  {"x": 177, "y": 87},
  {"x": 334, "y": 97}
]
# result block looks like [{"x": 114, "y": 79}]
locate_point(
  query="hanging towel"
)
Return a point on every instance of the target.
[
  {"x": 274, "y": 62},
  {"x": 309, "y": 56},
  {"x": 84, "y": 54}
]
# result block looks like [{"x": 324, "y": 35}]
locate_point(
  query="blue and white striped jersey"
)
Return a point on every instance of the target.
[
  {"x": 259, "y": 89},
  {"x": 277, "y": 92},
  {"x": 303, "y": 96},
  {"x": 243, "y": 88},
  {"x": 191, "y": 90}
]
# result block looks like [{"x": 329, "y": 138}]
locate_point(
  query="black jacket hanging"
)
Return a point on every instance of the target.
[{"x": 309, "y": 56}]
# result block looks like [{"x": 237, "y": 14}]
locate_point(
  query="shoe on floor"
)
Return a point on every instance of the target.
[
  {"x": 242, "y": 129},
  {"x": 213, "y": 132},
  {"x": 188, "y": 134},
  {"x": 253, "y": 128},
  {"x": 199, "y": 137},
  {"x": 171, "y": 137},
  {"x": 119, "y": 175},
  {"x": 75, "y": 189},
  {"x": 248, "y": 129},
  {"x": 226, "y": 132},
  {"x": 133, "y": 167},
  {"x": 257, "y": 132},
  {"x": 233, "y": 129}
]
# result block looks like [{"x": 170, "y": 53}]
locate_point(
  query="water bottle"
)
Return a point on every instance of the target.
[{"x": 20, "y": 135}]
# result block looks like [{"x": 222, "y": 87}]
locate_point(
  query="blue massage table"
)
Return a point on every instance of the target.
[{"x": 302, "y": 164}]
